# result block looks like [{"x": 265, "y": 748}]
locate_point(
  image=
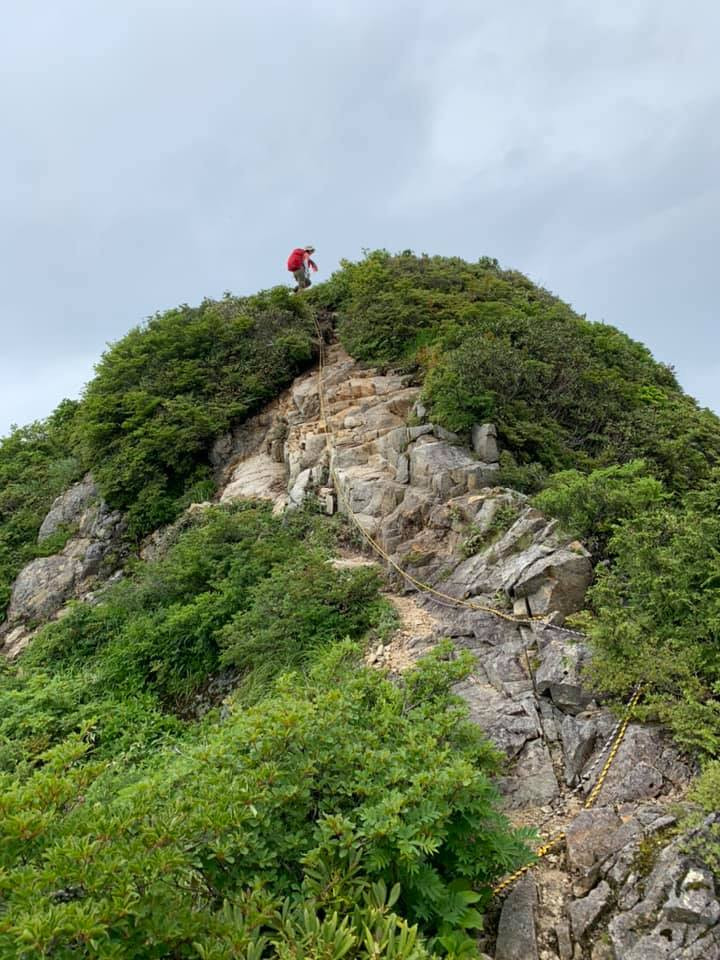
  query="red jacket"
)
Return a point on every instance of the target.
[{"x": 299, "y": 258}]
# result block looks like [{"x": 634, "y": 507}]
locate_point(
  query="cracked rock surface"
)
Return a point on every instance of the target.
[{"x": 92, "y": 552}]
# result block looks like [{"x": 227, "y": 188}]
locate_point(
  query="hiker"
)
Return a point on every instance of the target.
[{"x": 300, "y": 265}]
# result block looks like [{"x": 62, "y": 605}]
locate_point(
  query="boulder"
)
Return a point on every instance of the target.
[
  {"x": 300, "y": 488},
  {"x": 484, "y": 442},
  {"x": 510, "y": 724},
  {"x": 13, "y": 641},
  {"x": 42, "y": 587},
  {"x": 445, "y": 469},
  {"x": 306, "y": 399},
  {"x": 532, "y": 780},
  {"x": 70, "y": 507},
  {"x": 497, "y": 567},
  {"x": 368, "y": 491},
  {"x": 647, "y": 764},
  {"x": 557, "y": 582},
  {"x": 584, "y": 912},
  {"x": 516, "y": 938},
  {"x": 581, "y": 735},
  {"x": 591, "y": 837},
  {"x": 442, "y": 434},
  {"x": 563, "y": 939},
  {"x": 559, "y": 675},
  {"x": 407, "y": 519},
  {"x": 419, "y": 410},
  {"x": 695, "y": 902}
]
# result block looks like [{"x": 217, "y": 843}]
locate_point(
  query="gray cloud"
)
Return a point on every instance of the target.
[{"x": 160, "y": 151}]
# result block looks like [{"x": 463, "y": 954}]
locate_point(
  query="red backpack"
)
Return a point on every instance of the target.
[{"x": 296, "y": 259}]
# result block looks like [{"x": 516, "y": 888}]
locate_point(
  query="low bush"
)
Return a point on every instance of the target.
[
  {"x": 656, "y": 615},
  {"x": 591, "y": 505},
  {"x": 287, "y": 823},
  {"x": 302, "y": 606}
]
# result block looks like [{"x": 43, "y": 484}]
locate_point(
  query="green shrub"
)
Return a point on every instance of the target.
[
  {"x": 657, "y": 615},
  {"x": 163, "y": 393},
  {"x": 705, "y": 846},
  {"x": 315, "y": 803},
  {"x": 302, "y": 606},
  {"x": 591, "y": 505},
  {"x": 706, "y": 789}
]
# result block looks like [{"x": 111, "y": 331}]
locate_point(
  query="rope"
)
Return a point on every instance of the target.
[
  {"x": 541, "y": 852},
  {"x": 595, "y": 792},
  {"x": 614, "y": 741},
  {"x": 617, "y": 735},
  {"x": 609, "y": 740}
]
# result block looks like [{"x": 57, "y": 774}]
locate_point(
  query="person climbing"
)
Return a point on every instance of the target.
[{"x": 300, "y": 265}]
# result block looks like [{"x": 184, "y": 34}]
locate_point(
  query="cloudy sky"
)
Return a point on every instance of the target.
[{"x": 158, "y": 151}]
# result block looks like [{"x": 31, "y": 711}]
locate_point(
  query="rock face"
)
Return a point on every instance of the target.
[
  {"x": 430, "y": 502},
  {"x": 674, "y": 911},
  {"x": 484, "y": 441},
  {"x": 70, "y": 509},
  {"x": 47, "y": 583}
]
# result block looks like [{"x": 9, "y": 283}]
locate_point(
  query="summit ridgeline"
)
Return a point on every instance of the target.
[{"x": 320, "y": 612}]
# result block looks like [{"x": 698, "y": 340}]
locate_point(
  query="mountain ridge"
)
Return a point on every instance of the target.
[{"x": 442, "y": 511}]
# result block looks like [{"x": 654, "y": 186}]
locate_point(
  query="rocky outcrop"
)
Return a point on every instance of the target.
[
  {"x": 527, "y": 693},
  {"x": 430, "y": 502},
  {"x": 650, "y": 897},
  {"x": 93, "y": 550},
  {"x": 70, "y": 509}
]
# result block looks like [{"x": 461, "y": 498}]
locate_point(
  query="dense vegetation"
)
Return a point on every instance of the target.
[
  {"x": 324, "y": 810},
  {"x": 167, "y": 390},
  {"x": 490, "y": 345},
  {"x": 130, "y": 663},
  {"x": 147, "y": 421},
  {"x": 657, "y": 614}
]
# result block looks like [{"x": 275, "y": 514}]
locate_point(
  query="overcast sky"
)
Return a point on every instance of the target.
[{"x": 158, "y": 151}]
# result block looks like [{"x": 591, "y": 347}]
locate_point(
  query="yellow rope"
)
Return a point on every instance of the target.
[
  {"x": 590, "y": 801},
  {"x": 541, "y": 852},
  {"x": 558, "y": 838},
  {"x": 595, "y": 792}
]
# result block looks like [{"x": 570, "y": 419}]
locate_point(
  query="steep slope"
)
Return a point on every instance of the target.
[
  {"x": 348, "y": 476},
  {"x": 418, "y": 493}
]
